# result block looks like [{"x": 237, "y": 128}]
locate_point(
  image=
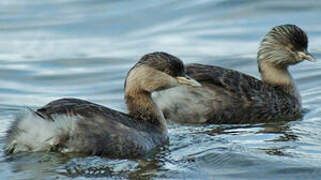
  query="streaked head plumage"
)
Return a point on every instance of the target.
[
  {"x": 157, "y": 71},
  {"x": 284, "y": 45},
  {"x": 163, "y": 62}
]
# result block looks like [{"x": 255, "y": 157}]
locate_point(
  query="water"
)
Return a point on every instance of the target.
[{"x": 83, "y": 49}]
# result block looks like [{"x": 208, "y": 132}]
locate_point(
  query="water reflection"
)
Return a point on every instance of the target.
[
  {"x": 41, "y": 165},
  {"x": 193, "y": 152},
  {"x": 83, "y": 49}
]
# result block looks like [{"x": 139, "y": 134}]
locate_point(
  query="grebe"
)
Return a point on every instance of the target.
[
  {"x": 74, "y": 125},
  {"x": 229, "y": 96}
]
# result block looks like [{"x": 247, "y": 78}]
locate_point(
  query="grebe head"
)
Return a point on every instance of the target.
[
  {"x": 154, "y": 72},
  {"x": 157, "y": 71},
  {"x": 284, "y": 45}
]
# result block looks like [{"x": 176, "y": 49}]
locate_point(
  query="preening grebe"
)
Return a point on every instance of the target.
[
  {"x": 74, "y": 125},
  {"x": 228, "y": 96}
]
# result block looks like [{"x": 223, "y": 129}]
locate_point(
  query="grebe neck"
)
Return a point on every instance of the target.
[
  {"x": 142, "y": 107},
  {"x": 278, "y": 77}
]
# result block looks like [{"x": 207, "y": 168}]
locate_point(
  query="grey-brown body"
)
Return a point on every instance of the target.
[
  {"x": 97, "y": 130},
  {"x": 74, "y": 125},
  {"x": 228, "y": 96}
]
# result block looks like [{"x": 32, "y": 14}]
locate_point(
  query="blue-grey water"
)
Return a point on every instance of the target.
[{"x": 51, "y": 49}]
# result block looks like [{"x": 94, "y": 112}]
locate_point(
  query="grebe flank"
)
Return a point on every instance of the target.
[
  {"x": 74, "y": 125},
  {"x": 229, "y": 96}
]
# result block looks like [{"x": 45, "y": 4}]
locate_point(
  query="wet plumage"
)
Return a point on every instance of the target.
[
  {"x": 74, "y": 125},
  {"x": 229, "y": 96}
]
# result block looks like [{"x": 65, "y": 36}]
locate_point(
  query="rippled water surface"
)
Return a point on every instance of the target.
[{"x": 68, "y": 48}]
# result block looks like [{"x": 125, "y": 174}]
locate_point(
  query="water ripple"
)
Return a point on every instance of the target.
[{"x": 83, "y": 49}]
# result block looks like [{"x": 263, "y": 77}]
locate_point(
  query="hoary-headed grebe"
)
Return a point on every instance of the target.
[
  {"x": 228, "y": 96},
  {"x": 74, "y": 125}
]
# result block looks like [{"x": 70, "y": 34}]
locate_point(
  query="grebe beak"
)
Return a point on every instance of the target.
[
  {"x": 306, "y": 55},
  {"x": 186, "y": 80}
]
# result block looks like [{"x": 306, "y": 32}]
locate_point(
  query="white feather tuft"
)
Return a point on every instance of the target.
[{"x": 31, "y": 132}]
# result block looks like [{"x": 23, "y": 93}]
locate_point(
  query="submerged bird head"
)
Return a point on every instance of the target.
[
  {"x": 157, "y": 71},
  {"x": 284, "y": 45}
]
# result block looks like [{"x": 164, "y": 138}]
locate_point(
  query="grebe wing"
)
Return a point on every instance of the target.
[
  {"x": 86, "y": 109},
  {"x": 74, "y": 125},
  {"x": 230, "y": 80}
]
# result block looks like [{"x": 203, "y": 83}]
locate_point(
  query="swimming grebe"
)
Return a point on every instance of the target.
[
  {"x": 74, "y": 125},
  {"x": 228, "y": 96}
]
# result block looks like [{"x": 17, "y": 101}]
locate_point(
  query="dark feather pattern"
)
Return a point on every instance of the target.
[
  {"x": 104, "y": 131},
  {"x": 74, "y": 125},
  {"x": 249, "y": 99},
  {"x": 168, "y": 64},
  {"x": 228, "y": 96}
]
